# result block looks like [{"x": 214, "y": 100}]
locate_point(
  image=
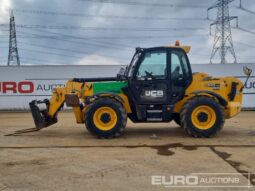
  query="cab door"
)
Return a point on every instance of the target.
[
  {"x": 151, "y": 82},
  {"x": 181, "y": 75}
]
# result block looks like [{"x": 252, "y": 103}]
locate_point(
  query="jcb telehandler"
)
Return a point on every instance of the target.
[{"x": 157, "y": 86}]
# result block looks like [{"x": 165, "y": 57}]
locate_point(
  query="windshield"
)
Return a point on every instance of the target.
[{"x": 153, "y": 65}]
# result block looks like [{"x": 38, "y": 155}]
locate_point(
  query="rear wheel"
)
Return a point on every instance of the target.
[
  {"x": 105, "y": 118},
  {"x": 202, "y": 117}
]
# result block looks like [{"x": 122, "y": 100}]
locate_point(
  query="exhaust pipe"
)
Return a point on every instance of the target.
[{"x": 39, "y": 110}]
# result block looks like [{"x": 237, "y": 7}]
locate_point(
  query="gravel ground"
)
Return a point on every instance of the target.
[{"x": 66, "y": 157}]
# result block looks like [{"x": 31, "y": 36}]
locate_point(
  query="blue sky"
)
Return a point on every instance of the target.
[{"x": 107, "y": 31}]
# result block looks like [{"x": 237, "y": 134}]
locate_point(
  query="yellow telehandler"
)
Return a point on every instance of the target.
[{"x": 157, "y": 86}]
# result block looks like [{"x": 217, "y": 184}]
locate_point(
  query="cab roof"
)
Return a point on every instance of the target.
[{"x": 177, "y": 45}]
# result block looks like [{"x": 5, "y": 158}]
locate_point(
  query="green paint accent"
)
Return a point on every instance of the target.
[{"x": 114, "y": 87}]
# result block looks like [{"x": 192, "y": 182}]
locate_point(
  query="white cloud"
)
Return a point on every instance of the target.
[
  {"x": 5, "y": 6},
  {"x": 114, "y": 45},
  {"x": 97, "y": 60}
]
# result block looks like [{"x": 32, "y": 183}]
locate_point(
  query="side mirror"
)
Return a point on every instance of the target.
[
  {"x": 121, "y": 74},
  {"x": 247, "y": 71}
]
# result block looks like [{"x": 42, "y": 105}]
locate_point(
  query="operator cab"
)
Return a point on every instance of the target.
[{"x": 157, "y": 78}]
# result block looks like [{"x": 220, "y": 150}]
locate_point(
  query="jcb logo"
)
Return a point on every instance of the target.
[
  {"x": 154, "y": 93},
  {"x": 23, "y": 87}
]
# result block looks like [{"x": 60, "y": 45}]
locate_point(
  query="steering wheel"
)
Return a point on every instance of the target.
[{"x": 149, "y": 74}]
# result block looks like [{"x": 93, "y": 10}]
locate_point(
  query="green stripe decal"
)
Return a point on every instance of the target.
[{"x": 114, "y": 87}]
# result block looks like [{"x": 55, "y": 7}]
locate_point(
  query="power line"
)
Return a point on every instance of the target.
[
  {"x": 54, "y": 48},
  {"x": 115, "y": 37},
  {"x": 45, "y": 52},
  {"x": 147, "y": 36},
  {"x": 74, "y": 51},
  {"x": 41, "y": 61},
  {"x": 244, "y": 9},
  {"x": 166, "y": 5},
  {"x": 47, "y": 62},
  {"x": 105, "y": 28},
  {"x": 60, "y": 37},
  {"x": 108, "y": 28},
  {"x": 64, "y": 37},
  {"x": 53, "y": 13},
  {"x": 100, "y": 43},
  {"x": 35, "y": 59},
  {"x": 248, "y": 11},
  {"x": 67, "y": 50},
  {"x": 57, "y": 54},
  {"x": 206, "y": 56},
  {"x": 245, "y": 44},
  {"x": 64, "y": 40},
  {"x": 246, "y": 30},
  {"x": 86, "y": 38}
]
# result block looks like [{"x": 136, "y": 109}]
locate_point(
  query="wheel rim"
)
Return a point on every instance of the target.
[
  {"x": 105, "y": 118},
  {"x": 203, "y": 117}
]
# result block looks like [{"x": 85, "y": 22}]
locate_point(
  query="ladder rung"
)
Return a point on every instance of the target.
[
  {"x": 154, "y": 111},
  {"x": 154, "y": 119}
]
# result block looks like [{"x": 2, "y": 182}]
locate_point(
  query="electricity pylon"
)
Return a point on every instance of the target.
[
  {"x": 13, "y": 57},
  {"x": 223, "y": 43}
]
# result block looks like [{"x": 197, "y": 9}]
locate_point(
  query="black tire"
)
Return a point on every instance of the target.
[
  {"x": 177, "y": 119},
  {"x": 191, "y": 128},
  {"x": 118, "y": 128}
]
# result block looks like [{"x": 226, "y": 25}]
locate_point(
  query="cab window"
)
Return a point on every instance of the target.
[
  {"x": 179, "y": 68},
  {"x": 153, "y": 66}
]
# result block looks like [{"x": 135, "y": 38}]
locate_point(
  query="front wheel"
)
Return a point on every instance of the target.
[
  {"x": 202, "y": 117},
  {"x": 105, "y": 118}
]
